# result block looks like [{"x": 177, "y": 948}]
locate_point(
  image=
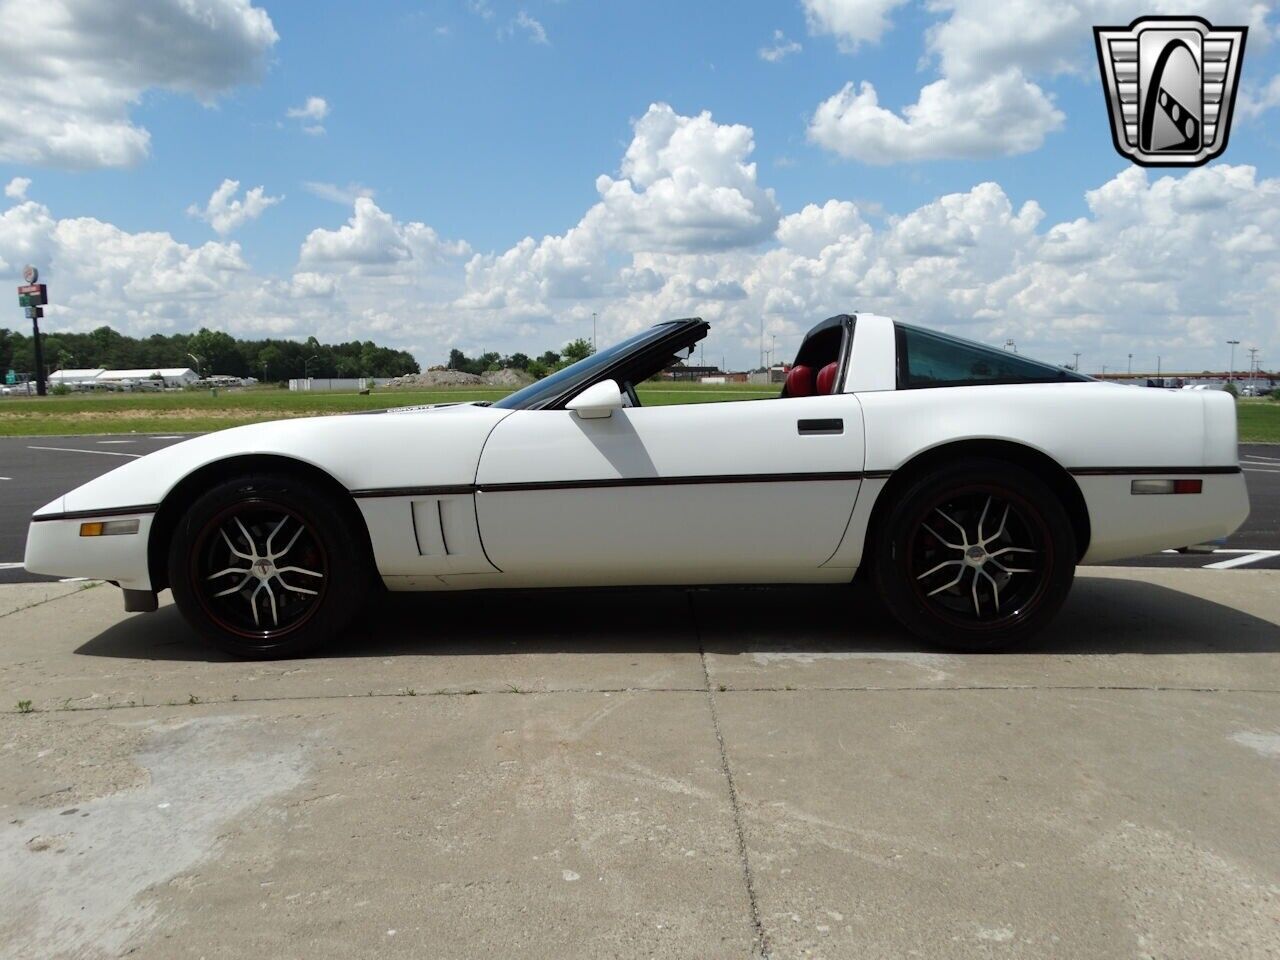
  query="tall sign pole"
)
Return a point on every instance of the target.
[{"x": 32, "y": 296}]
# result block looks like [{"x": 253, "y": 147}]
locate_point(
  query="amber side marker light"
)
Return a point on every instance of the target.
[
  {"x": 1166, "y": 486},
  {"x": 108, "y": 528}
]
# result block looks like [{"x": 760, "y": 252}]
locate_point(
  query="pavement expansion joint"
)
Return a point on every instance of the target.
[{"x": 761, "y": 945}]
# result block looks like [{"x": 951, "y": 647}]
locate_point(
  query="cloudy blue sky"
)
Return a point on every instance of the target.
[{"x": 486, "y": 174}]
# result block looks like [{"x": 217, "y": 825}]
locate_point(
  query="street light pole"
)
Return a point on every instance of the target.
[
  {"x": 1077, "y": 356},
  {"x": 306, "y": 366},
  {"x": 1131, "y": 364},
  {"x": 199, "y": 365},
  {"x": 1231, "y": 370},
  {"x": 593, "y": 331}
]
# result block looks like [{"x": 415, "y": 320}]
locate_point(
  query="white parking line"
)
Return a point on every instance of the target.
[
  {"x": 1241, "y": 558},
  {"x": 1249, "y": 469},
  {"x": 6, "y": 478},
  {"x": 101, "y": 453},
  {"x": 1258, "y": 456},
  {"x": 10, "y": 566},
  {"x": 168, "y": 438},
  {"x": 116, "y": 441},
  {"x": 1247, "y": 556}
]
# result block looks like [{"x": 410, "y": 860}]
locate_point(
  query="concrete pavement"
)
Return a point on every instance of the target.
[{"x": 716, "y": 773}]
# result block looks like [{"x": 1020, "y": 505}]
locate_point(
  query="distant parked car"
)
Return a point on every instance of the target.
[{"x": 968, "y": 482}]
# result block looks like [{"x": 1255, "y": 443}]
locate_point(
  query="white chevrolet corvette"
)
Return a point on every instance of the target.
[{"x": 967, "y": 481}]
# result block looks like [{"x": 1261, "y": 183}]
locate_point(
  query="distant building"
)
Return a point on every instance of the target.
[
  {"x": 172, "y": 376},
  {"x": 121, "y": 379},
  {"x": 75, "y": 378}
]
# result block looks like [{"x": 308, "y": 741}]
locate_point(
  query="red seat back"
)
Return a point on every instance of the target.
[
  {"x": 799, "y": 382},
  {"x": 827, "y": 377}
]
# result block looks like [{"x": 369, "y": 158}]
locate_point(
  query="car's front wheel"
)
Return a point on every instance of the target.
[
  {"x": 976, "y": 555},
  {"x": 266, "y": 566}
]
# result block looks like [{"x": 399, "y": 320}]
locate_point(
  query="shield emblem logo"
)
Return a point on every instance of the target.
[{"x": 1171, "y": 85}]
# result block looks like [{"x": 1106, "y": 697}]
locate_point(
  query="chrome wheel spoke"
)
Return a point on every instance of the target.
[
  {"x": 995, "y": 587},
  {"x": 982, "y": 519},
  {"x": 232, "y": 547},
  {"x": 964, "y": 537},
  {"x": 290, "y": 586},
  {"x": 288, "y": 546},
  {"x": 302, "y": 570},
  {"x": 944, "y": 563},
  {"x": 945, "y": 543},
  {"x": 223, "y": 573},
  {"x": 1004, "y": 523},
  {"x": 1010, "y": 570},
  {"x": 236, "y": 589},
  {"x": 248, "y": 538},
  {"x": 948, "y": 586},
  {"x": 272, "y": 535}
]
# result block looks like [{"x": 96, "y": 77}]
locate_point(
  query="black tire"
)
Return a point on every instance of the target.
[
  {"x": 932, "y": 535},
  {"x": 280, "y": 610}
]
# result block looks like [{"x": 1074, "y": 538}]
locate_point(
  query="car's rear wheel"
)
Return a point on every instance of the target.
[
  {"x": 266, "y": 566},
  {"x": 975, "y": 556}
]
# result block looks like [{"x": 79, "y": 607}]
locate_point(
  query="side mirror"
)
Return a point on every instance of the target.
[{"x": 597, "y": 401}]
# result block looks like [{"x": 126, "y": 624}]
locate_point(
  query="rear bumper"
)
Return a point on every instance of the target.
[
  {"x": 55, "y": 548},
  {"x": 1123, "y": 525}
]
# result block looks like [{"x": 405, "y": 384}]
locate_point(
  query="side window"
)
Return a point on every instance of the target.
[{"x": 928, "y": 359}]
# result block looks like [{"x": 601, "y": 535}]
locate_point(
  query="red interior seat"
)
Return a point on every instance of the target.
[
  {"x": 799, "y": 382},
  {"x": 827, "y": 377}
]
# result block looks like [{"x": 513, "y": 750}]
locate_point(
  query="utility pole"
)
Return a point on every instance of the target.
[
  {"x": 1253, "y": 363},
  {"x": 1010, "y": 345},
  {"x": 762, "y": 366},
  {"x": 1231, "y": 370},
  {"x": 32, "y": 296},
  {"x": 1076, "y": 368},
  {"x": 1158, "y": 359},
  {"x": 593, "y": 331}
]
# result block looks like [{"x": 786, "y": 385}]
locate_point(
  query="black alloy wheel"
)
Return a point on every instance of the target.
[
  {"x": 976, "y": 555},
  {"x": 266, "y": 566}
]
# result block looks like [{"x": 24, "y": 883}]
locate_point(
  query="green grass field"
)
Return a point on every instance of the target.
[{"x": 194, "y": 412}]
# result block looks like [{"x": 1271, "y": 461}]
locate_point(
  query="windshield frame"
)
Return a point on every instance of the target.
[{"x": 658, "y": 344}]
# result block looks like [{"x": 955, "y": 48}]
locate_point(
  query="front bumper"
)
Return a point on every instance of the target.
[{"x": 55, "y": 548}]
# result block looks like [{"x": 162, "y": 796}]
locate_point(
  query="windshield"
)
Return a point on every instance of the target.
[{"x": 578, "y": 373}]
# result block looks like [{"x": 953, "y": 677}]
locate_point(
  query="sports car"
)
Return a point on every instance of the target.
[{"x": 965, "y": 482}]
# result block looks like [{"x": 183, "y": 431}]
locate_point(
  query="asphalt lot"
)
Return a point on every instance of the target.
[
  {"x": 710, "y": 773},
  {"x": 34, "y": 470}
]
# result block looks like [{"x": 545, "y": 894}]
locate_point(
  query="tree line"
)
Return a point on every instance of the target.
[
  {"x": 539, "y": 367},
  {"x": 209, "y": 352}
]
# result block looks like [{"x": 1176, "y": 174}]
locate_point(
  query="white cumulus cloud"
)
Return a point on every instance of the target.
[
  {"x": 16, "y": 189},
  {"x": 991, "y": 59},
  {"x": 373, "y": 238},
  {"x": 311, "y": 113},
  {"x": 1002, "y": 114},
  {"x": 1169, "y": 263},
  {"x": 852, "y": 22},
  {"x": 781, "y": 49},
  {"x": 72, "y": 69},
  {"x": 225, "y": 212}
]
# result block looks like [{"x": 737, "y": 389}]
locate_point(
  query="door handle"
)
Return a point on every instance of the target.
[{"x": 821, "y": 426}]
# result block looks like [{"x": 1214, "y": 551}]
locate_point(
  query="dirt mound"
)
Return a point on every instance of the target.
[
  {"x": 436, "y": 378},
  {"x": 507, "y": 378}
]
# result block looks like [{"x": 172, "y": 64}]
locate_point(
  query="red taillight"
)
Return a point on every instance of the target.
[{"x": 1188, "y": 486}]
